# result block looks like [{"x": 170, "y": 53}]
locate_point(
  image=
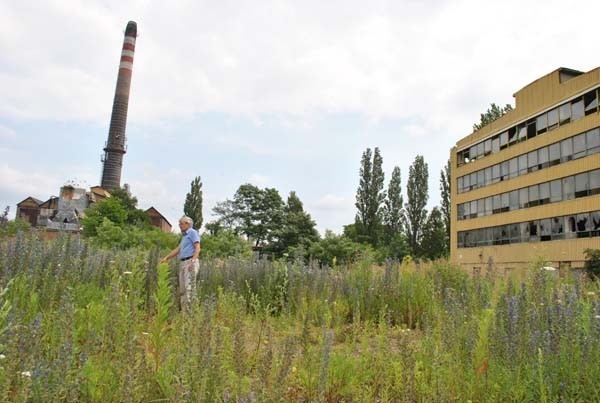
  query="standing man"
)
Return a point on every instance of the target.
[{"x": 188, "y": 251}]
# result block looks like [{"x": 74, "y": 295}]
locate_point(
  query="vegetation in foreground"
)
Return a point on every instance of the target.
[{"x": 79, "y": 323}]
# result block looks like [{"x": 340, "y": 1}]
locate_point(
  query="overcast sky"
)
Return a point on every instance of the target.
[{"x": 279, "y": 94}]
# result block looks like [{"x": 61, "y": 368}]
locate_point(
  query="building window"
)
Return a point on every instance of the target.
[
  {"x": 505, "y": 202},
  {"x": 523, "y": 197},
  {"x": 570, "y": 226},
  {"x": 473, "y": 209},
  {"x": 566, "y": 150},
  {"x": 544, "y": 193},
  {"x": 487, "y": 147},
  {"x": 533, "y": 231},
  {"x": 534, "y": 196},
  {"x": 488, "y": 176},
  {"x": 595, "y": 218},
  {"x": 577, "y": 109},
  {"x": 542, "y": 123},
  {"x": 568, "y": 188},
  {"x": 480, "y": 178},
  {"x": 460, "y": 185},
  {"x": 497, "y": 202},
  {"x": 565, "y": 113},
  {"x": 480, "y": 208},
  {"x": 503, "y": 140},
  {"x": 545, "y": 229},
  {"x": 495, "y": 144},
  {"x": 489, "y": 206},
  {"x": 584, "y": 225},
  {"x": 581, "y": 185},
  {"x": 593, "y": 141},
  {"x": 555, "y": 191},
  {"x": 558, "y": 231},
  {"x": 543, "y": 158},
  {"x": 496, "y": 175},
  {"x": 523, "y": 165},
  {"x": 514, "y": 232},
  {"x": 513, "y": 168},
  {"x": 531, "y": 128},
  {"x": 590, "y": 101},
  {"x": 513, "y": 200},
  {"x": 474, "y": 181},
  {"x": 522, "y": 132},
  {"x": 460, "y": 212},
  {"x": 532, "y": 161},
  {"x": 579, "y": 148},
  {"x": 504, "y": 171},
  {"x": 553, "y": 119},
  {"x": 512, "y": 135},
  {"x": 594, "y": 182},
  {"x": 554, "y": 154}
]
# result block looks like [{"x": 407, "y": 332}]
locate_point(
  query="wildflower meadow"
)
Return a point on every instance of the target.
[{"x": 80, "y": 323}]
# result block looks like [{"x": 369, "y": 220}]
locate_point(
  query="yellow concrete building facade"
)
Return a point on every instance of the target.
[{"x": 527, "y": 186}]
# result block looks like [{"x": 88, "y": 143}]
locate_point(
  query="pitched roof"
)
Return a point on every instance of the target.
[
  {"x": 158, "y": 212},
  {"x": 37, "y": 201}
]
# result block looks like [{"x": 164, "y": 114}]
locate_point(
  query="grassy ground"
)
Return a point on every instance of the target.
[{"x": 80, "y": 324}]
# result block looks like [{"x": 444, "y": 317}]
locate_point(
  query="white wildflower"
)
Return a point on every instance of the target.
[
  {"x": 597, "y": 316},
  {"x": 26, "y": 373},
  {"x": 127, "y": 272},
  {"x": 145, "y": 333},
  {"x": 2, "y": 356},
  {"x": 590, "y": 293}
]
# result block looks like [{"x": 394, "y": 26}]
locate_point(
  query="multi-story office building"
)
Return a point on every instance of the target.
[{"x": 527, "y": 186}]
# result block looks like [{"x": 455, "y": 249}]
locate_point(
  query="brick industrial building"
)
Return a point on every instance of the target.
[{"x": 527, "y": 186}]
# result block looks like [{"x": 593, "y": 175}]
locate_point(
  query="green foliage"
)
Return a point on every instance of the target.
[
  {"x": 334, "y": 249},
  {"x": 253, "y": 212},
  {"x": 433, "y": 244},
  {"x": 494, "y": 112},
  {"x": 392, "y": 207},
  {"x": 224, "y": 244},
  {"x": 193, "y": 203},
  {"x": 116, "y": 222},
  {"x": 445, "y": 191},
  {"x": 86, "y": 324},
  {"x": 12, "y": 227},
  {"x": 297, "y": 230},
  {"x": 592, "y": 263},
  {"x": 417, "y": 195},
  {"x": 110, "y": 209},
  {"x": 370, "y": 196}
]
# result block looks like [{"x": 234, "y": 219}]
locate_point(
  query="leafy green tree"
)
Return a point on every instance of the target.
[
  {"x": 135, "y": 216},
  {"x": 445, "y": 183},
  {"x": 592, "y": 263},
  {"x": 110, "y": 208},
  {"x": 493, "y": 113},
  {"x": 253, "y": 212},
  {"x": 298, "y": 228},
  {"x": 336, "y": 249},
  {"x": 370, "y": 196},
  {"x": 392, "y": 207},
  {"x": 193, "y": 202},
  {"x": 417, "y": 195},
  {"x": 224, "y": 244},
  {"x": 4, "y": 216},
  {"x": 433, "y": 245}
]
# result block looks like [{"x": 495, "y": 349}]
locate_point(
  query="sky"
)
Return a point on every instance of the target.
[{"x": 279, "y": 94}]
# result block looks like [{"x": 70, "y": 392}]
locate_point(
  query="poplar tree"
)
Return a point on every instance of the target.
[
  {"x": 193, "y": 203},
  {"x": 392, "y": 207},
  {"x": 433, "y": 245},
  {"x": 445, "y": 188},
  {"x": 415, "y": 213},
  {"x": 370, "y": 196}
]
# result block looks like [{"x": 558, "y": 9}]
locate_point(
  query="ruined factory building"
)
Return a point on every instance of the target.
[{"x": 527, "y": 186}]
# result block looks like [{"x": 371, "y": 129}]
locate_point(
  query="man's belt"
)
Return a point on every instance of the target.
[{"x": 186, "y": 258}]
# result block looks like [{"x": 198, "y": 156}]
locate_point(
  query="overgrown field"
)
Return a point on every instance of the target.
[{"x": 83, "y": 324}]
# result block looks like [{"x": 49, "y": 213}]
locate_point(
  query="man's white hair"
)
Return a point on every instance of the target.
[{"x": 187, "y": 220}]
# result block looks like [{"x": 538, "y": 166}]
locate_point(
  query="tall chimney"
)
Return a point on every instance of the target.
[{"x": 115, "y": 146}]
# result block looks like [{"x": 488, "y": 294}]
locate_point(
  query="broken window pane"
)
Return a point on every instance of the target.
[
  {"x": 577, "y": 109},
  {"x": 565, "y": 113}
]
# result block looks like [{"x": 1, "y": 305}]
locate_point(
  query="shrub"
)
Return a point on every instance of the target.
[{"x": 592, "y": 263}]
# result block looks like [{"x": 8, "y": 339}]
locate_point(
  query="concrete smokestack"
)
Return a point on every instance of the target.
[{"x": 115, "y": 146}]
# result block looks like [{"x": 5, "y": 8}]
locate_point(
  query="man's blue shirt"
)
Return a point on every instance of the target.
[{"x": 186, "y": 246}]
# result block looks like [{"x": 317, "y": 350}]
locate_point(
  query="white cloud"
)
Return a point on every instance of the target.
[
  {"x": 6, "y": 133},
  {"x": 27, "y": 183},
  {"x": 330, "y": 202}
]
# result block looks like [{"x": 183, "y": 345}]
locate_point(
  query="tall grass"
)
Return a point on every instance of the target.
[{"x": 84, "y": 324}]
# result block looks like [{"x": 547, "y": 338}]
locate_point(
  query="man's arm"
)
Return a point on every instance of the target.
[
  {"x": 170, "y": 255},
  {"x": 196, "y": 250}
]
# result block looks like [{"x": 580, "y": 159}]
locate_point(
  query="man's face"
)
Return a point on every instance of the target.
[{"x": 183, "y": 226}]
